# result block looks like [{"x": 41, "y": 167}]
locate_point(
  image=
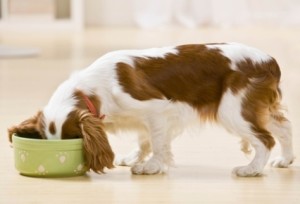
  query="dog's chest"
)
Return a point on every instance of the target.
[
  {"x": 114, "y": 124},
  {"x": 174, "y": 115}
]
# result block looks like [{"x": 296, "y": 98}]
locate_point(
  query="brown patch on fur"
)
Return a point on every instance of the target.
[
  {"x": 52, "y": 128},
  {"x": 196, "y": 75},
  {"x": 30, "y": 128},
  {"x": 236, "y": 81},
  {"x": 262, "y": 96},
  {"x": 71, "y": 126},
  {"x": 133, "y": 82}
]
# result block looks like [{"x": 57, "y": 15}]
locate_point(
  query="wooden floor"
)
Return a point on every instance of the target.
[{"x": 204, "y": 157}]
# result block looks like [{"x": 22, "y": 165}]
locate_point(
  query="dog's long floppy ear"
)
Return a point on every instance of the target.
[
  {"x": 98, "y": 153},
  {"x": 30, "y": 128}
]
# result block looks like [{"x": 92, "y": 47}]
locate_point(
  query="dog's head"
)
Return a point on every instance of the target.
[{"x": 79, "y": 122}]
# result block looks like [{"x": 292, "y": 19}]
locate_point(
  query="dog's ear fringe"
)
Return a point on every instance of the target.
[
  {"x": 97, "y": 151},
  {"x": 30, "y": 128}
]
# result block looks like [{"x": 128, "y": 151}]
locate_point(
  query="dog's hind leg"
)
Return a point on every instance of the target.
[
  {"x": 261, "y": 141},
  {"x": 280, "y": 127},
  {"x": 244, "y": 122}
]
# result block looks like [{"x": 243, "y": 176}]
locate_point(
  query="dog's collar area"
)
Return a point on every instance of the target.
[{"x": 91, "y": 107}]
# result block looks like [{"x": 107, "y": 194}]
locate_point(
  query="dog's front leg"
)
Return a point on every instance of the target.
[
  {"x": 139, "y": 154},
  {"x": 160, "y": 137}
]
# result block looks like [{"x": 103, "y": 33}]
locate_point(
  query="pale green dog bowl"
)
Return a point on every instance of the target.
[{"x": 49, "y": 158}]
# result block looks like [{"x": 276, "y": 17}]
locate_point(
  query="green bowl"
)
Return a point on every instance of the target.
[{"x": 49, "y": 158}]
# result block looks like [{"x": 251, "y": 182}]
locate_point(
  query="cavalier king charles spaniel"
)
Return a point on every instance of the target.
[{"x": 157, "y": 92}]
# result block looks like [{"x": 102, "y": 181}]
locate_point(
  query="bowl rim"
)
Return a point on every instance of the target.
[{"x": 42, "y": 144}]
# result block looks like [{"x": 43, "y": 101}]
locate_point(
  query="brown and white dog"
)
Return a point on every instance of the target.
[{"x": 158, "y": 92}]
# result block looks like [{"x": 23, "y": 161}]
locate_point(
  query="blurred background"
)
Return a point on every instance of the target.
[{"x": 80, "y": 14}]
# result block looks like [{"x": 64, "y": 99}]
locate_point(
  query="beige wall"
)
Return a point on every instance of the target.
[{"x": 108, "y": 13}]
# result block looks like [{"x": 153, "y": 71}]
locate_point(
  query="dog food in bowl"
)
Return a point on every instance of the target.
[{"x": 49, "y": 158}]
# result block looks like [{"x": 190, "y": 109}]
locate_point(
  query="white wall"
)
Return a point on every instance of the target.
[{"x": 191, "y": 13}]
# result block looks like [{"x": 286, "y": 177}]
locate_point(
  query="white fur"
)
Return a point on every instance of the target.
[
  {"x": 238, "y": 52},
  {"x": 229, "y": 114},
  {"x": 282, "y": 130}
]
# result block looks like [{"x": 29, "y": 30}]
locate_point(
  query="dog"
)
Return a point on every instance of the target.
[{"x": 160, "y": 91}]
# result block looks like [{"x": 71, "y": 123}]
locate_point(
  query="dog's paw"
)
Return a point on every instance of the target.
[
  {"x": 131, "y": 159},
  {"x": 152, "y": 166},
  {"x": 125, "y": 161},
  {"x": 282, "y": 162},
  {"x": 247, "y": 171}
]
